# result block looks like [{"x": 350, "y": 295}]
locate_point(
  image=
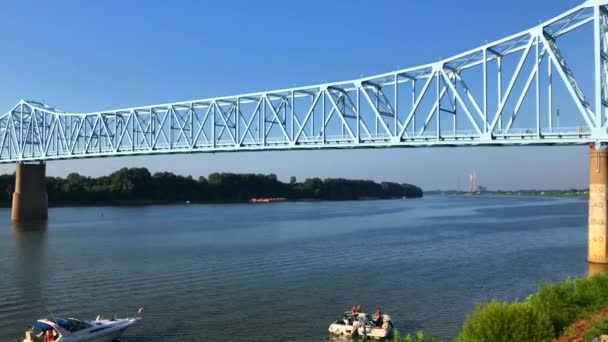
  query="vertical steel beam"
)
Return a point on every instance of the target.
[
  {"x": 499, "y": 77},
  {"x": 213, "y": 124},
  {"x": 293, "y": 115},
  {"x": 20, "y": 141},
  {"x": 550, "y": 92},
  {"x": 396, "y": 104},
  {"x": 170, "y": 112},
  {"x": 192, "y": 113},
  {"x": 485, "y": 91},
  {"x": 263, "y": 130},
  {"x": 438, "y": 107},
  {"x": 358, "y": 114},
  {"x": 537, "y": 62},
  {"x": 323, "y": 115},
  {"x": 597, "y": 40},
  {"x": 414, "y": 110},
  {"x": 153, "y": 139},
  {"x": 44, "y": 132},
  {"x": 454, "y": 117},
  {"x": 312, "y": 118},
  {"x": 342, "y": 101}
]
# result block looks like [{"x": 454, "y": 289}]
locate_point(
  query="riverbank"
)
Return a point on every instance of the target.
[{"x": 574, "y": 310}]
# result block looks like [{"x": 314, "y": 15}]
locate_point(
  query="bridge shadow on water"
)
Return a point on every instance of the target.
[
  {"x": 31, "y": 249},
  {"x": 29, "y": 227}
]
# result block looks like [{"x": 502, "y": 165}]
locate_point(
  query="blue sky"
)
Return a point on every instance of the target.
[{"x": 93, "y": 55}]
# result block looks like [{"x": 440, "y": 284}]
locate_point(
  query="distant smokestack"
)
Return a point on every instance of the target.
[{"x": 473, "y": 182}]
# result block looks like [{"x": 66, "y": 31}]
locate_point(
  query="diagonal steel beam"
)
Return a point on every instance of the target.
[
  {"x": 201, "y": 129},
  {"x": 566, "y": 75},
  {"x": 416, "y": 105},
  {"x": 507, "y": 93},
  {"x": 447, "y": 81},
  {"x": 524, "y": 93},
  {"x": 378, "y": 116},
  {"x": 255, "y": 114},
  {"x": 276, "y": 116},
  {"x": 308, "y": 115},
  {"x": 335, "y": 105}
]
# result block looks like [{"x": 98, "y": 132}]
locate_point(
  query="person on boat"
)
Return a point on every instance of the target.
[
  {"x": 378, "y": 317},
  {"x": 48, "y": 336},
  {"x": 358, "y": 309},
  {"x": 353, "y": 311}
]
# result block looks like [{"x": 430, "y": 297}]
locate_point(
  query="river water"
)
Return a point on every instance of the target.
[{"x": 284, "y": 271}]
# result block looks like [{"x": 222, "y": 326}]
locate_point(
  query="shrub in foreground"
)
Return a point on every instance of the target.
[
  {"x": 564, "y": 302},
  {"x": 505, "y": 322},
  {"x": 542, "y": 316}
]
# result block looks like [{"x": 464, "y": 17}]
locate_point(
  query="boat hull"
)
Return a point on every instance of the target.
[
  {"x": 343, "y": 329},
  {"x": 375, "y": 332},
  {"x": 107, "y": 337}
]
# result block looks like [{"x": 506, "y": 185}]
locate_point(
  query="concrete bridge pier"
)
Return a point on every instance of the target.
[
  {"x": 30, "y": 200},
  {"x": 598, "y": 200}
]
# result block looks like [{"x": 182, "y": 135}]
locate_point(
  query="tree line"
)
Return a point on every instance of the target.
[{"x": 138, "y": 185}]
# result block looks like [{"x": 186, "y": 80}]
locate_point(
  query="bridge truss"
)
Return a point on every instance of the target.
[{"x": 502, "y": 93}]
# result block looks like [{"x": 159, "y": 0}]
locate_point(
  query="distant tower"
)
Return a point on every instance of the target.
[{"x": 473, "y": 181}]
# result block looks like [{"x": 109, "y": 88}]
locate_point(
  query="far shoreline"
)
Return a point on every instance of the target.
[{"x": 577, "y": 194}]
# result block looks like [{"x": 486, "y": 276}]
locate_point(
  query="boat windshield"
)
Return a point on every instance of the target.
[
  {"x": 71, "y": 324},
  {"x": 39, "y": 327}
]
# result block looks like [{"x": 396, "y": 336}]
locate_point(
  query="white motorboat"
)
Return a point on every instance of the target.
[
  {"x": 74, "y": 330},
  {"x": 348, "y": 325},
  {"x": 371, "y": 329}
]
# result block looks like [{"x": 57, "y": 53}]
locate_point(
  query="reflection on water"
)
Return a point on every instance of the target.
[
  {"x": 285, "y": 271},
  {"x": 30, "y": 249}
]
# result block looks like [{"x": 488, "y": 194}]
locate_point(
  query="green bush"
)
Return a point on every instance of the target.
[
  {"x": 542, "y": 316},
  {"x": 566, "y": 301},
  {"x": 396, "y": 336},
  {"x": 506, "y": 322}
]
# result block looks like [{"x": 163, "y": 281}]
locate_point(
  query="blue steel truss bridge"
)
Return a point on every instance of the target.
[{"x": 542, "y": 86}]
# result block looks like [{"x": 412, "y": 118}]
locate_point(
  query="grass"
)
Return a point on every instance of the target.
[{"x": 599, "y": 328}]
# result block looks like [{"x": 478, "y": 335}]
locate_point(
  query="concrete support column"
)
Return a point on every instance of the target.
[
  {"x": 598, "y": 200},
  {"x": 30, "y": 201}
]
